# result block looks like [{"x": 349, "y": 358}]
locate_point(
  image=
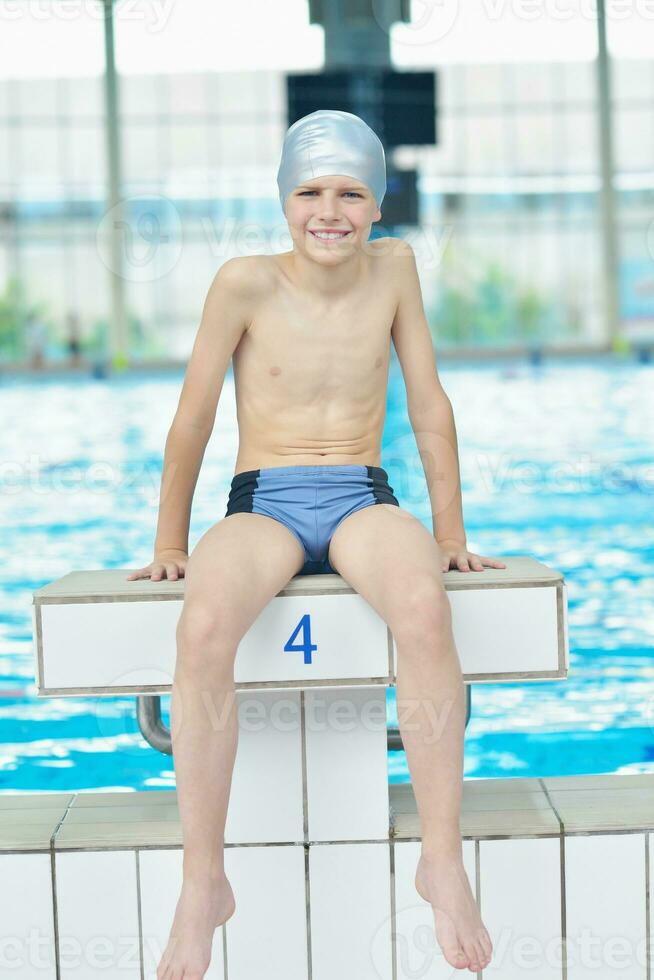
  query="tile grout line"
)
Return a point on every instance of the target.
[
  {"x": 53, "y": 884},
  {"x": 305, "y": 829},
  {"x": 307, "y": 899},
  {"x": 648, "y": 937},
  {"x": 139, "y": 915},
  {"x": 564, "y": 918},
  {"x": 391, "y": 849},
  {"x": 480, "y": 973},
  {"x": 55, "y": 910},
  {"x": 303, "y": 752}
]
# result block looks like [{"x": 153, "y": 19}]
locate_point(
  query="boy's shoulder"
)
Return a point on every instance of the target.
[
  {"x": 391, "y": 250},
  {"x": 398, "y": 260},
  {"x": 389, "y": 240},
  {"x": 244, "y": 275},
  {"x": 241, "y": 267},
  {"x": 393, "y": 246}
]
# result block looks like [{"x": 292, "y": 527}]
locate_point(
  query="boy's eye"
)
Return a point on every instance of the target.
[{"x": 302, "y": 193}]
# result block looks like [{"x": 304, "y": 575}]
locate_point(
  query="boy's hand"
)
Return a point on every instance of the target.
[
  {"x": 170, "y": 563},
  {"x": 456, "y": 551}
]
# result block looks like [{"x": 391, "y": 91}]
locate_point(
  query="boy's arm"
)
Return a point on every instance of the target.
[
  {"x": 225, "y": 317},
  {"x": 429, "y": 408}
]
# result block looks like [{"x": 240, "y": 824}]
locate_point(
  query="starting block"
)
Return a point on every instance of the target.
[{"x": 310, "y": 807}]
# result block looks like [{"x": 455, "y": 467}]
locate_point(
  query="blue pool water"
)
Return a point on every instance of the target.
[{"x": 556, "y": 463}]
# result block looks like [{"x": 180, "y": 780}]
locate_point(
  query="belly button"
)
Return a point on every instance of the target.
[
  {"x": 275, "y": 370},
  {"x": 379, "y": 362}
]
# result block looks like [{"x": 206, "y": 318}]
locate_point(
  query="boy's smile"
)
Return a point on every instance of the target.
[
  {"x": 328, "y": 237},
  {"x": 328, "y": 211}
]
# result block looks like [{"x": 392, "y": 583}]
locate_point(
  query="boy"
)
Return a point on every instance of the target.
[{"x": 309, "y": 331}]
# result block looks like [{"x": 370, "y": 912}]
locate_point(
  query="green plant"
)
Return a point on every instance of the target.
[
  {"x": 493, "y": 308},
  {"x": 15, "y": 310},
  {"x": 97, "y": 339},
  {"x": 142, "y": 343}
]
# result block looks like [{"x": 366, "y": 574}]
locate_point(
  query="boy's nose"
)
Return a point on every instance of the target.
[{"x": 327, "y": 211}]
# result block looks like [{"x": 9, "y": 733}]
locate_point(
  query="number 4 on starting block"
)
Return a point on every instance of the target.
[{"x": 307, "y": 647}]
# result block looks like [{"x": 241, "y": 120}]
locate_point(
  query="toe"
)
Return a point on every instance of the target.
[
  {"x": 470, "y": 950},
  {"x": 480, "y": 957},
  {"x": 485, "y": 946},
  {"x": 449, "y": 941},
  {"x": 456, "y": 957}
]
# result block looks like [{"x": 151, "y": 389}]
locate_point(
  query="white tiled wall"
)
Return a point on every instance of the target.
[
  {"x": 347, "y": 763},
  {"x": 350, "y": 911},
  {"x": 97, "y": 915},
  {"x": 520, "y": 900},
  {"x": 268, "y": 756},
  {"x": 27, "y": 948},
  {"x": 267, "y": 935},
  {"x": 605, "y": 906},
  {"x": 349, "y": 895}
]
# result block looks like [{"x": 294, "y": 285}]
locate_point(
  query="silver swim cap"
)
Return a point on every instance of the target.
[{"x": 330, "y": 142}]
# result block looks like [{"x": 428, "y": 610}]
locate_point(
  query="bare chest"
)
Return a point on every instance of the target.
[{"x": 299, "y": 352}]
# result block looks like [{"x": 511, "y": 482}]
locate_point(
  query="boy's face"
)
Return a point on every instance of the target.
[{"x": 337, "y": 203}]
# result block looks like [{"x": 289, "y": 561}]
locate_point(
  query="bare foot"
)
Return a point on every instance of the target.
[
  {"x": 202, "y": 906},
  {"x": 462, "y": 936}
]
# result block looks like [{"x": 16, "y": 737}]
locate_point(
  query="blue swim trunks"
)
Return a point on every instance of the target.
[{"x": 311, "y": 501}]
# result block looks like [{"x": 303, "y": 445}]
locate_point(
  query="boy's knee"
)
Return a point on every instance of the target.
[
  {"x": 205, "y": 627},
  {"x": 423, "y": 607}
]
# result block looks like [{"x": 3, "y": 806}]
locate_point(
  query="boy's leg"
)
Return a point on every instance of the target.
[
  {"x": 234, "y": 571},
  {"x": 390, "y": 558}
]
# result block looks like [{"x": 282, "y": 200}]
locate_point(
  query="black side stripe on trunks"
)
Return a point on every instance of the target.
[
  {"x": 241, "y": 495},
  {"x": 381, "y": 490}
]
